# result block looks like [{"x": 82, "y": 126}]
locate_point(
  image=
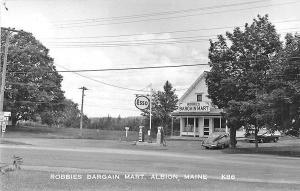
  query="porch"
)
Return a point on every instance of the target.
[{"x": 201, "y": 126}]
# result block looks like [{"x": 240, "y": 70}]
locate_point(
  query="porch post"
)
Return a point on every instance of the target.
[
  {"x": 194, "y": 127},
  {"x": 186, "y": 125},
  {"x": 181, "y": 126},
  {"x": 226, "y": 127},
  {"x": 220, "y": 123}
]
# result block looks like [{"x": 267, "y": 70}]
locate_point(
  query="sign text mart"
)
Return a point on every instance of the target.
[{"x": 194, "y": 107}]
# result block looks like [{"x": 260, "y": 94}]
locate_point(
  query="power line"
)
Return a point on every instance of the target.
[
  {"x": 169, "y": 32},
  {"x": 122, "y": 69},
  {"x": 146, "y": 40},
  {"x": 79, "y": 21},
  {"x": 32, "y": 84},
  {"x": 126, "y": 44},
  {"x": 135, "y": 68},
  {"x": 152, "y": 67},
  {"x": 155, "y": 40},
  {"x": 191, "y": 39},
  {"x": 62, "y": 103},
  {"x": 104, "y": 83},
  {"x": 36, "y": 102},
  {"x": 173, "y": 17}
]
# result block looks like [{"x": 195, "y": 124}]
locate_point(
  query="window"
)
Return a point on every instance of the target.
[
  {"x": 191, "y": 121},
  {"x": 217, "y": 123},
  {"x": 199, "y": 97},
  {"x": 223, "y": 123},
  {"x": 206, "y": 122}
]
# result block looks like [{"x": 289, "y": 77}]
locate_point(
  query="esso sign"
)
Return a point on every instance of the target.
[{"x": 142, "y": 102}]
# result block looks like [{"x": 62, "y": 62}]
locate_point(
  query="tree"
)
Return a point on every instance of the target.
[
  {"x": 240, "y": 64},
  {"x": 70, "y": 115},
  {"x": 284, "y": 87},
  {"x": 118, "y": 123},
  {"x": 163, "y": 103},
  {"x": 33, "y": 84}
]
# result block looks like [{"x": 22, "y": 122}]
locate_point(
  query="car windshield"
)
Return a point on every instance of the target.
[{"x": 215, "y": 137}]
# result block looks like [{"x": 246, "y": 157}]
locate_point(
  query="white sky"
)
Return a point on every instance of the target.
[{"x": 43, "y": 18}]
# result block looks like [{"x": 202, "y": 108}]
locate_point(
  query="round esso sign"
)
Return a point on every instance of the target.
[{"x": 142, "y": 102}]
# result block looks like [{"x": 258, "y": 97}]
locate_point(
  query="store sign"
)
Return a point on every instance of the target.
[
  {"x": 194, "y": 107},
  {"x": 142, "y": 102},
  {"x": 4, "y": 116}
]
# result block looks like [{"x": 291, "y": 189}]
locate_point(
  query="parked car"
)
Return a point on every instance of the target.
[
  {"x": 293, "y": 132},
  {"x": 217, "y": 140},
  {"x": 264, "y": 138}
]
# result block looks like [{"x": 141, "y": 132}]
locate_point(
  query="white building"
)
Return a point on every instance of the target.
[{"x": 198, "y": 117}]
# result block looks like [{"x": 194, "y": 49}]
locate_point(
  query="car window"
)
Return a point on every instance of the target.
[{"x": 219, "y": 138}]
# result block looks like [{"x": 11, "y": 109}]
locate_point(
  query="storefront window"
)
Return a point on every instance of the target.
[{"x": 189, "y": 123}]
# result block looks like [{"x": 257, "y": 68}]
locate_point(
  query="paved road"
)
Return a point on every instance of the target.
[{"x": 71, "y": 156}]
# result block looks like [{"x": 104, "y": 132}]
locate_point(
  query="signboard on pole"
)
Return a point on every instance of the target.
[
  {"x": 142, "y": 102},
  {"x": 4, "y": 120},
  {"x": 3, "y": 127}
]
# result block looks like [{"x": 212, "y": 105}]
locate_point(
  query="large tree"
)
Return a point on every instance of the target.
[
  {"x": 240, "y": 63},
  {"x": 33, "y": 84},
  {"x": 70, "y": 115},
  {"x": 284, "y": 87},
  {"x": 163, "y": 103}
]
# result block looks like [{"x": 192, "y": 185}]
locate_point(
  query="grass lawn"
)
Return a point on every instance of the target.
[
  {"x": 68, "y": 133},
  {"x": 286, "y": 146}
]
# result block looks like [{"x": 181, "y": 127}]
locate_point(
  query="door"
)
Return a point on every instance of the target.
[{"x": 206, "y": 127}]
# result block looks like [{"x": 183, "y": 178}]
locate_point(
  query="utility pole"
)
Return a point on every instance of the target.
[
  {"x": 2, "y": 88},
  {"x": 81, "y": 111},
  {"x": 150, "y": 113},
  {"x": 4, "y": 72},
  {"x": 172, "y": 126}
]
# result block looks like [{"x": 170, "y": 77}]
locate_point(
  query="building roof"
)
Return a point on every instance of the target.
[{"x": 201, "y": 77}]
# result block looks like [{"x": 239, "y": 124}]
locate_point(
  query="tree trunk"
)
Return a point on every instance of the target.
[
  {"x": 232, "y": 137},
  {"x": 256, "y": 140},
  {"x": 13, "y": 120}
]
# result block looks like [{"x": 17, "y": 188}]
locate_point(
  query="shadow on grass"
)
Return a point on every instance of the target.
[
  {"x": 288, "y": 151},
  {"x": 36, "y": 130},
  {"x": 12, "y": 143}
]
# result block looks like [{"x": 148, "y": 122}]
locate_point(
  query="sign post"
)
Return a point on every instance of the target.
[
  {"x": 126, "y": 131},
  {"x": 142, "y": 102},
  {"x": 141, "y": 134},
  {"x": 158, "y": 136},
  {"x": 4, "y": 118}
]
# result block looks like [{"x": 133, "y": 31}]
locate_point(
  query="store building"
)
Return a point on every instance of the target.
[{"x": 198, "y": 117}]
